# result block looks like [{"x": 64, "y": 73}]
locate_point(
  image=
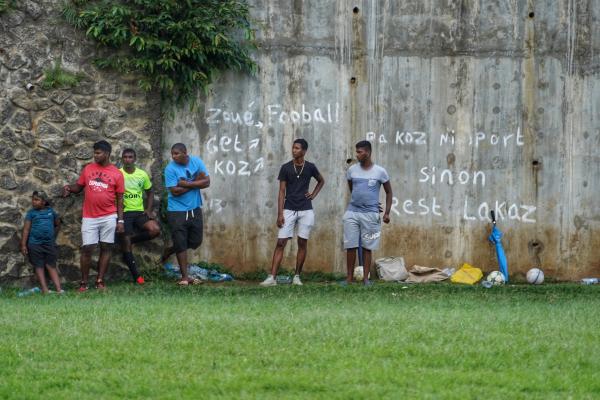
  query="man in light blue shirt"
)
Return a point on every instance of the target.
[
  {"x": 362, "y": 224},
  {"x": 184, "y": 177}
]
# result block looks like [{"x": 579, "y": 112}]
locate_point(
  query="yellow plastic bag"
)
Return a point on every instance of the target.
[{"x": 467, "y": 274}]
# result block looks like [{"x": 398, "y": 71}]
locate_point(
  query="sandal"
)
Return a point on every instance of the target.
[
  {"x": 100, "y": 284},
  {"x": 183, "y": 282},
  {"x": 195, "y": 281}
]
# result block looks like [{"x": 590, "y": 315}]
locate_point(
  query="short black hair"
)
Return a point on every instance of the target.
[
  {"x": 129, "y": 151},
  {"x": 364, "y": 144},
  {"x": 179, "y": 147},
  {"x": 303, "y": 143},
  {"x": 103, "y": 145}
]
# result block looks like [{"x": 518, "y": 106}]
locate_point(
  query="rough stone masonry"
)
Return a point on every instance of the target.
[{"x": 46, "y": 136}]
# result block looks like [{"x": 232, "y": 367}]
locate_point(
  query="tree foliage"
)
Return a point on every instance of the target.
[
  {"x": 176, "y": 46},
  {"x": 5, "y": 5}
]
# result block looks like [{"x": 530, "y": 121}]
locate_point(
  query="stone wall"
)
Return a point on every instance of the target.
[{"x": 46, "y": 136}]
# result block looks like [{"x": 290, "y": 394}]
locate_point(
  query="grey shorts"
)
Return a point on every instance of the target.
[{"x": 363, "y": 228}]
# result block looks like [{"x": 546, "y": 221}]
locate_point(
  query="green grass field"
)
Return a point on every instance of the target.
[{"x": 316, "y": 341}]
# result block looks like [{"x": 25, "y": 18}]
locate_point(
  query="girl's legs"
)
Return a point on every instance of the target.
[
  {"x": 41, "y": 274},
  {"x": 55, "y": 278}
]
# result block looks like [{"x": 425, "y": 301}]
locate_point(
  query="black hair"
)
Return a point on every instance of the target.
[
  {"x": 179, "y": 147},
  {"x": 364, "y": 144},
  {"x": 103, "y": 145},
  {"x": 303, "y": 143},
  {"x": 41, "y": 196},
  {"x": 129, "y": 151}
]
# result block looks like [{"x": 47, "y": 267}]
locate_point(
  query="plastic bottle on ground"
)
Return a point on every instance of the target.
[
  {"x": 283, "y": 279},
  {"x": 28, "y": 292},
  {"x": 589, "y": 281}
]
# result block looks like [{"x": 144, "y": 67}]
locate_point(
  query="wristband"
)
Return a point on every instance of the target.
[{"x": 120, "y": 221}]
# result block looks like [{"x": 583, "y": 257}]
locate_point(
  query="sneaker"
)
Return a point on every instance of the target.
[
  {"x": 270, "y": 281},
  {"x": 140, "y": 280},
  {"x": 296, "y": 280},
  {"x": 83, "y": 287},
  {"x": 368, "y": 283}
]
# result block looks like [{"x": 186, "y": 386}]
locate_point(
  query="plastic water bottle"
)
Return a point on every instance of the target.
[
  {"x": 486, "y": 284},
  {"x": 589, "y": 281},
  {"x": 283, "y": 279},
  {"x": 28, "y": 292}
]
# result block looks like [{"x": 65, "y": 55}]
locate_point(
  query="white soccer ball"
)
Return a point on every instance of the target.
[
  {"x": 535, "y": 276},
  {"x": 359, "y": 273},
  {"x": 495, "y": 277}
]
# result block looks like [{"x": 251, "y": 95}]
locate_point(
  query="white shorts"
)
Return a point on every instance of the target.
[
  {"x": 305, "y": 220},
  {"x": 101, "y": 229}
]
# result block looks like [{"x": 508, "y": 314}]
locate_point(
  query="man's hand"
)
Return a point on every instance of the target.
[
  {"x": 183, "y": 183},
  {"x": 310, "y": 196},
  {"x": 280, "y": 221},
  {"x": 66, "y": 190},
  {"x": 150, "y": 214},
  {"x": 120, "y": 227},
  {"x": 24, "y": 250},
  {"x": 386, "y": 218}
]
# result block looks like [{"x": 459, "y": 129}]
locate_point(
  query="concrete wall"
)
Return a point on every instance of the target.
[{"x": 499, "y": 96}]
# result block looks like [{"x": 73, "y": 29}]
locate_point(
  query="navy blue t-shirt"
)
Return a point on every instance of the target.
[{"x": 42, "y": 225}]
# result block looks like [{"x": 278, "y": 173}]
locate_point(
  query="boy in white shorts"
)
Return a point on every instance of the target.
[{"x": 294, "y": 208}]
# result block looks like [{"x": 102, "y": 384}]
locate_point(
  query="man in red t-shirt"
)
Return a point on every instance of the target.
[{"x": 102, "y": 183}]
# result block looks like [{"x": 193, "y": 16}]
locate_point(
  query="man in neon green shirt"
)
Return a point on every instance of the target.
[{"x": 140, "y": 222}]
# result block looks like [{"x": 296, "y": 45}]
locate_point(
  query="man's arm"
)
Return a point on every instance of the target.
[
  {"x": 350, "y": 185},
  {"x": 202, "y": 181},
  {"x": 25, "y": 236},
  {"x": 149, "y": 201},
  {"x": 74, "y": 188},
  {"x": 280, "y": 203},
  {"x": 315, "y": 192},
  {"x": 120, "y": 222},
  {"x": 388, "y": 201}
]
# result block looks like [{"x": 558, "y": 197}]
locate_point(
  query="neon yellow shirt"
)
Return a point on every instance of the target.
[{"x": 135, "y": 185}]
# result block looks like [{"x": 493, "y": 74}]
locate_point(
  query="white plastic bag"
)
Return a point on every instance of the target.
[{"x": 391, "y": 269}]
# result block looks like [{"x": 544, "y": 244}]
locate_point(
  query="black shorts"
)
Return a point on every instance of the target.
[
  {"x": 41, "y": 255},
  {"x": 134, "y": 222},
  {"x": 186, "y": 229}
]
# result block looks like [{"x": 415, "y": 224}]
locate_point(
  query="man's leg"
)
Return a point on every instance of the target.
[
  {"x": 350, "y": 261},
  {"x": 90, "y": 235},
  {"x": 367, "y": 263},
  {"x": 108, "y": 227},
  {"x": 128, "y": 257},
  {"x": 277, "y": 256},
  {"x": 351, "y": 242},
  {"x": 85, "y": 262},
  {"x": 301, "y": 256},
  {"x": 103, "y": 260},
  {"x": 150, "y": 230},
  {"x": 182, "y": 259},
  {"x": 306, "y": 221}
]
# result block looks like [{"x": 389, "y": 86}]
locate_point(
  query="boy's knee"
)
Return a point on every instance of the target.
[{"x": 88, "y": 249}]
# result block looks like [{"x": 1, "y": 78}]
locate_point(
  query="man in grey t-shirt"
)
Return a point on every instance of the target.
[{"x": 362, "y": 224}]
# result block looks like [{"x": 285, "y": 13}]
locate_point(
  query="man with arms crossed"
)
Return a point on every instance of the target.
[
  {"x": 102, "y": 184},
  {"x": 294, "y": 208},
  {"x": 140, "y": 223},
  {"x": 362, "y": 224},
  {"x": 184, "y": 177}
]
